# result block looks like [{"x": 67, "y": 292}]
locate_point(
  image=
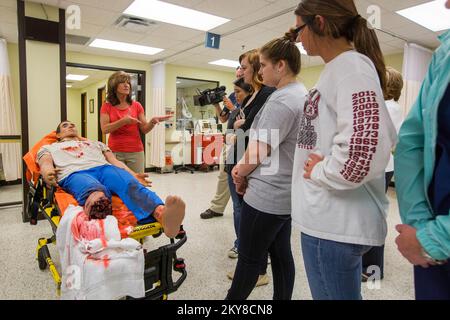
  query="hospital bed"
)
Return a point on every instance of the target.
[{"x": 160, "y": 264}]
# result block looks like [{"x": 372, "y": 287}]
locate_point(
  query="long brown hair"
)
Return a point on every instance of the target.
[
  {"x": 114, "y": 80},
  {"x": 253, "y": 60},
  {"x": 283, "y": 49},
  {"x": 342, "y": 20}
]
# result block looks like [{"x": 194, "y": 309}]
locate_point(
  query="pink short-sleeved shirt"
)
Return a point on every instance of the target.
[{"x": 126, "y": 138}]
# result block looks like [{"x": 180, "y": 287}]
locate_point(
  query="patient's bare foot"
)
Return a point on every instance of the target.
[
  {"x": 97, "y": 206},
  {"x": 173, "y": 215}
]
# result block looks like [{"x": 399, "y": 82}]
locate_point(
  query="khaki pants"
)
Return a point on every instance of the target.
[
  {"x": 133, "y": 160},
  {"x": 220, "y": 200}
]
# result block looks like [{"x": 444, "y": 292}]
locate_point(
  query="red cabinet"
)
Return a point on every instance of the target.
[{"x": 206, "y": 149}]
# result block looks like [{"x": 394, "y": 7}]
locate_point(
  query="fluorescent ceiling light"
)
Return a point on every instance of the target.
[
  {"x": 123, "y": 46},
  {"x": 76, "y": 77},
  {"x": 300, "y": 47},
  {"x": 173, "y": 14},
  {"x": 226, "y": 63},
  {"x": 68, "y": 86},
  {"x": 431, "y": 15}
]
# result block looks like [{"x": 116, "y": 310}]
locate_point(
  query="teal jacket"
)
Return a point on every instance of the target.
[{"x": 415, "y": 158}]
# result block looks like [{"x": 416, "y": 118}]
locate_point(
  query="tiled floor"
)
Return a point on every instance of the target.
[
  {"x": 10, "y": 194},
  {"x": 205, "y": 252}
]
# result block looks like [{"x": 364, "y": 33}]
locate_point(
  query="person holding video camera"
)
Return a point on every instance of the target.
[
  {"x": 222, "y": 196},
  {"x": 230, "y": 103}
]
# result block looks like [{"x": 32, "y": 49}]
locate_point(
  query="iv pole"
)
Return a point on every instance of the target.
[{"x": 186, "y": 117}]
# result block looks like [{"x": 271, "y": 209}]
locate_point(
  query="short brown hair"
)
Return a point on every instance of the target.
[
  {"x": 394, "y": 84},
  {"x": 253, "y": 59},
  {"x": 283, "y": 49},
  {"x": 114, "y": 80}
]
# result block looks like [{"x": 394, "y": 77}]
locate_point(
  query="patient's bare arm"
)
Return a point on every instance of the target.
[
  {"x": 48, "y": 171},
  {"x": 111, "y": 158}
]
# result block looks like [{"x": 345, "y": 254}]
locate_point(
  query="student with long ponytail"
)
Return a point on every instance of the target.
[
  {"x": 343, "y": 146},
  {"x": 263, "y": 175}
]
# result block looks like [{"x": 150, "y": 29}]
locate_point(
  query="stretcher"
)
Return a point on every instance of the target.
[{"x": 50, "y": 203}]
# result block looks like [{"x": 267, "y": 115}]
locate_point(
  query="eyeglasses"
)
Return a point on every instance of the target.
[{"x": 299, "y": 29}]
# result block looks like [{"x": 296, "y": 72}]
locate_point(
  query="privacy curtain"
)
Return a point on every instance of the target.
[
  {"x": 415, "y": 66},
  {"x": 157, "y": 108},
  {"x": 10, "y": 152}
]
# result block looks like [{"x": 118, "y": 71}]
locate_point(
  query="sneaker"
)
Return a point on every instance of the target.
[
  {"x": 263, "y": 279},
  {"x": 233, "y": 253},
  {"x": 208, "y": 214}
]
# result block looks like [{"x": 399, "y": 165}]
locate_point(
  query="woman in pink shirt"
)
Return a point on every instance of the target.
[{"x": 124, "y": 119}]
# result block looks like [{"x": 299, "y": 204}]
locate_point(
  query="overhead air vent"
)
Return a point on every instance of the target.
[
  {"x": 134, "y": 24},
  {"x": 73, "y": 39}
]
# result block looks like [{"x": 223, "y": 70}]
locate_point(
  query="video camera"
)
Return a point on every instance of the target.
[{"x": 210, "y": 96}]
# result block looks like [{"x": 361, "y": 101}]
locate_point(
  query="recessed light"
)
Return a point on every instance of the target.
[
  {"x": 431, "y": 15},
  {"x": 173, "y": 14},
  {"x": 226, "y": 63},
  {"x": 68, "y": 86},
  {"x": 76, "y": 77},
  {"x": 123, "y": 46}
]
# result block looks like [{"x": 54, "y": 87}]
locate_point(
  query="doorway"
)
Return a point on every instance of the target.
[
  {"x": 92, "y": 91},
  {"x": 84, "y": 115},
  {"x": 101, "y": 98}
]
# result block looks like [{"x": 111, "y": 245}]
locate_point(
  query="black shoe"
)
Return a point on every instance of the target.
[{"x": 208, "y": 214}]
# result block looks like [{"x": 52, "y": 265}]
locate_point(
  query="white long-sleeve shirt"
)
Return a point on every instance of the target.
[{"x": 346, "y": 121}]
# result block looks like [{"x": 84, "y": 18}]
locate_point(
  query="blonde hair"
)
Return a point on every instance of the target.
[
  {"x": 394, "y": 84},
  {"x": 113, "y": 82}
]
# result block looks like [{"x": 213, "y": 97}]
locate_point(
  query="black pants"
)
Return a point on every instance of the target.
[
  {"x": 432, "y": 283},
  {"x": 375, "y": 257},
  {"x": 261, "y": 233}
]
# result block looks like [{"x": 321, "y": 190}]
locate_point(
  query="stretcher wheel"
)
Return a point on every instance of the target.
[{"x": 41, "y": 260}]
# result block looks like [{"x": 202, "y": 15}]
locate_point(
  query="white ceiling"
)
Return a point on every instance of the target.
[
  {"x": 94, "y": 76},
  {"x": 98, "y": 17}
]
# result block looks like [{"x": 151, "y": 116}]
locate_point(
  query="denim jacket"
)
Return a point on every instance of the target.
[{"x": 415, "y": 158}]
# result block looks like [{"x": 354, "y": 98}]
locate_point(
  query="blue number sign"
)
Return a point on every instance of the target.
[{"x": 212, "y": 40}]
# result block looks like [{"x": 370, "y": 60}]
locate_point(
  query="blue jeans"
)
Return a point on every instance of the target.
[
  {"x": 237, "y": 208},
  {"x": 432, "y": 283},
  {"x": 113, "y": 180},
  {"x": 333, "y": 268},
  {"x": 262, "y": 234},
  {"x": 375, "y": 256}
]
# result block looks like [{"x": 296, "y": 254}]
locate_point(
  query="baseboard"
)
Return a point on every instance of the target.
[{"x": 10, "y": 183}]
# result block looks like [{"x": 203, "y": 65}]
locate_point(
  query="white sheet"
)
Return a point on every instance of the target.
[{"x": 92, "y": 271}]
